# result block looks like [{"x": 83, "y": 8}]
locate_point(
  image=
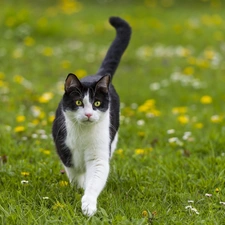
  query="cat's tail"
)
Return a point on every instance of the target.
[{"x": 117, "y": 48}]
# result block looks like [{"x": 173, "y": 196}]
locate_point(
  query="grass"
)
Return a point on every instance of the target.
[{"x": 171, "y": 148}]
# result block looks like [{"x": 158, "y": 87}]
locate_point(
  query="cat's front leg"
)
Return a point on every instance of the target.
[{"x": 96, "y": 177}]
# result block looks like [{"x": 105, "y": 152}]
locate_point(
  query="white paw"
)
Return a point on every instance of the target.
[{"x": 89, "y": 205}]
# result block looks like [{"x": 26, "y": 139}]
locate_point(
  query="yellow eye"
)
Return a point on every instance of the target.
[
  {"x": 78, "y": 102},
  {"x": 97, "y": 103}
]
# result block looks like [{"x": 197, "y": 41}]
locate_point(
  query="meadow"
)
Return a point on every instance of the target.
[{"x": 169, "y": 164}]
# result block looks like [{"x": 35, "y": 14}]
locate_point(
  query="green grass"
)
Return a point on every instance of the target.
[{"x": 176, "y": 57}]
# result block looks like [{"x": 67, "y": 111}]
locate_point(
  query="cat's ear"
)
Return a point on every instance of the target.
[
  {"x": 103, "y": 83},
  {"x": 72, "y": 82}
]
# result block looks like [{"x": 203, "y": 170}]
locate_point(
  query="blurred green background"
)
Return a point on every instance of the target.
[{"x": 169, "y": 165}]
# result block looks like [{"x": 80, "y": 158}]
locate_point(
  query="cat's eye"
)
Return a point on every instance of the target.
[
  {"x": 97, "y": 103},
  {"x": 78, "y": 102}
]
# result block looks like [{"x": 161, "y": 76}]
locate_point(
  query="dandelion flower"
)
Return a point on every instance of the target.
[
  {"x": 20, "y": 118},
  {"x": 179, "y": 110},
  {"x": 144, "y": 213},
  {"x": 25, "y": 174},
  {"x": 189, "y": 70},
  {"x": 70, "y": 6},
  {"x": 46, "y": 97},
  {"x": 29, "y": 41},
  {"x": 63, "y": 183},
  {"x": 65, "y": 64},
  {"x": 81, "y": 73},
  {"x": 119, "y": 151},
  {"x": 198, "y": 125},
  {"x": 18, "y": 79},
  {"x": 58, "y": 205},
  {"x": 51, "y": 118},
  {"x": 19, "y": 129},
  {"x": 46, "y": 152},
  {"x": 183, "y": 119},
  {"x": 206, "y": 99},
  {"x": 139, "y": 151},
  {"x": 47, "y": 51}
]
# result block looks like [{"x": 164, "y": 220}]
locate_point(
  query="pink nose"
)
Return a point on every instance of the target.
[{"x": 88, "y": 115}]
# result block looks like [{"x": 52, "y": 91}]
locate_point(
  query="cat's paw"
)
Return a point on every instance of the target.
[{"x": 89, "y": 205}]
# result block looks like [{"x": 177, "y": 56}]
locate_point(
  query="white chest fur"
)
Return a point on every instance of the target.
[{"x": 87, "y": 141}]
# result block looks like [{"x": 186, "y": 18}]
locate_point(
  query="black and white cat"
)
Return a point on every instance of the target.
[{"x": 85, "y": 129}]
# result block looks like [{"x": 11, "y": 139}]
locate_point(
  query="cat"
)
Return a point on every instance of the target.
[{"x": 85, "y": 129}]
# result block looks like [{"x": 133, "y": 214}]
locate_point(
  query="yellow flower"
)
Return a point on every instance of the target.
[
  {"x": 35, "y": 122},
  {"x": 2, "y": 83},
  {"x": 183, "y": 119},
  {"x": 70, "y": 6},
  {"x": 185, "y": 52},
  {"x": 179, "y": 110},
  {"x": 218, "y": 36},
  {"x": 19, "y": 129},
  {"x": 46, "y": 97},
  {"x": 46, "y": 152},
  {"x": 199, "y": 125},
  {"x": 141, "y": 134},
  {"x": 80, "y": 73},
  {"x": 149, "y": 108},
  {"x": 51, "y": 118},
  {"x": 148, "y": 105},
  {"x": 18, "y": 79},
  {"x": 189, "y": 70},
  {"x": 2, "y": 75},
  {"x": 144, "y": 213},
  {"x": 209, "y": 54},
  {"x": 58, "y": 205},
  {"x": 29, "y": 41},
  {"x": 202, "y": 63},
  {"x": 42, "y": 22},
  {"x": 25, "y": 173},
  {"x": 20, "y": 118},
  {"x": 119, "y": 151},
  {"x": 65, "y": 64},
  {"x": 216, "y": 119},
  {"x": 139, "y": 151},
  {"x": 206, "y": 99},
  {"x": 47, "y": 51},
  {"x": 63, "y": 183},
  {"x": 191, "y": 60},
  {"x": 10, "y": 22}
]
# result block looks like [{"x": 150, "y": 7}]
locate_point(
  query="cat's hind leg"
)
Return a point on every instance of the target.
[
  {"x": 70, "y": 171},
  {"x": 75, "y": 177}
]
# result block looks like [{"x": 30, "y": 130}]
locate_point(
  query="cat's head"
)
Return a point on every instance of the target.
[{"x": 86, "y": 101}]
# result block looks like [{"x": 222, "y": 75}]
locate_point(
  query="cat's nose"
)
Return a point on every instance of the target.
[{"x": 88, "y": 115}]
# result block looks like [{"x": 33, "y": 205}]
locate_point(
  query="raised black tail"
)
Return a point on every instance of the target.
[{"x": 117, "y": 48}]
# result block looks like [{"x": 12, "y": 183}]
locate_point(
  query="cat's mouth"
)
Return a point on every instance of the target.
[{"x": 88, "y": 121}]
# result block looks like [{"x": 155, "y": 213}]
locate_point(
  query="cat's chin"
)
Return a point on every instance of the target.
[{"x": 88, "y": 122}]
